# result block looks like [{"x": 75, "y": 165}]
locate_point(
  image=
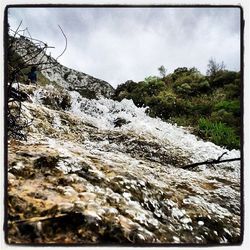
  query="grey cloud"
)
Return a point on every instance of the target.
[{"x": 117, "y": 44}]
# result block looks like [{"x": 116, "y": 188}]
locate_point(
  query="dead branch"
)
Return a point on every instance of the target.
[
  {"x": 39, "y": 219},
  {"x": 66, "y": 43},
  {"x": 18, "y": 28},
  {"x": 21, "y": 55},
  {"x": 210, "y": 162}
]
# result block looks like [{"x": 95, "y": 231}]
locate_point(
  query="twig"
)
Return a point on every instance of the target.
[
  {"x": 66, "y": 42},
  {"x": 210, "y": 162},
  {"x": 17, "y": 30},
  {"x": 37, "y": 219},
  {"x": 22, "y": 55},
  {"x": 225, "y": 153}
]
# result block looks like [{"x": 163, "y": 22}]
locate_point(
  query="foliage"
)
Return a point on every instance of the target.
[
  {"x": 186, "y": 96},
  {"x": 222, "y": 78},
  {"x": 232, "y": 106},
  {"x": 213, "y": 67},
  {"x": 162, "y": 71},
  {"x": 219, "y": 133},
  {"x": 162, "y": 105}
]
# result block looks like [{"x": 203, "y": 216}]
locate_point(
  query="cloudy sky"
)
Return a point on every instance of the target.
[{"x": 118, "y": 44}]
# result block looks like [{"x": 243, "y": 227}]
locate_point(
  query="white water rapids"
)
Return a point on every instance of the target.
[
  {"x": 134, "y": 170},
  {"x": 102, "y": 113}
]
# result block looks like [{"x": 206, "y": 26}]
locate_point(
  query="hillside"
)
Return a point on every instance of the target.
[
  {"x": 102, "y": 171},
  {"x": 209, "y": 104},
  {"x": 67, "y": 78}
]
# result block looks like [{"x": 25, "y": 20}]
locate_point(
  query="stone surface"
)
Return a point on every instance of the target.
[
  {"x": 88, "y": 86},
  {"x": 79, "y": 179}
]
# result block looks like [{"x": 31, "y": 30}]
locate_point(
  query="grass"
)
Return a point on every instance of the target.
[{"x": 218, "y": 133}]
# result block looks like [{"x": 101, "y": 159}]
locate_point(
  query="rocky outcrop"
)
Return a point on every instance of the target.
[
  {"x": 88, "y": 86},
  {"x": 80, "y": 179}
]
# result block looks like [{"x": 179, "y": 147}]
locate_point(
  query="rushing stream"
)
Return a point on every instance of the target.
[{"x": 115, "y": 173}]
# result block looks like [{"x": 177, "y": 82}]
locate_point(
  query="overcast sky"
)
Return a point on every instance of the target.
[{"x": 118, "y": 44}]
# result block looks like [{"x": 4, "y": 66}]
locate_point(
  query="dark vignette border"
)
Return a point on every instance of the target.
[{"x": 242, "y": 25}]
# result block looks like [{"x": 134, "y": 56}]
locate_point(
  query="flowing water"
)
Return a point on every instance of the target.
[{"x": 119, "y": 172}]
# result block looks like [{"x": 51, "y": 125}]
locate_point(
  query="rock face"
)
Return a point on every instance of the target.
[
  {"x": 88, "y": 86},
  {"x": 81, "y": 179}
]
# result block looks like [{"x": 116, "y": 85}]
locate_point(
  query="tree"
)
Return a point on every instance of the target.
[
  {"x": 23, "y": 52},
  {"x": 213, "y": 67},
  {"x": 162, "y": 71}
]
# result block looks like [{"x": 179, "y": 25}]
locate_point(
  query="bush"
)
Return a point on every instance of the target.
[
  {"x": 222, "y": 116},
  {"x": 163, "y": 105},
  {"x": 182, "y": 107},
  {"x": 233, "y": 90},
  {"x": 184, "y": 89},
  {"x": 155, "y": 87},
  {"x": 203, "y": 86},
  {"x": 229, "y": 106},
  {"x": 190, "y": 82},
  {"x": 224, "y": 77},
  {"x": 168, "y": 80},
  {"x": 201, "y": 107},
  {"x": 218, "y": 133},
  {"x": 182, "y": 85},
  {"x": 186, "y": 96}
]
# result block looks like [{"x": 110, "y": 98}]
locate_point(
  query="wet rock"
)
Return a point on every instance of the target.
[
  {"x": 17, "y": 204},
  {"x": 25, "y": 171},
  {"x": 38, "y": 195},
  {"x": 67, "y": 190},
  {"x": 87, "y": 196},
  {"x": 118, "y": 122},
  {"x": 46, "y": 161},
  {"x": 11, "y": 178},
  {"x": 65, "y": 207},
  {"x": 79, "y": 180},
  {"x": 80, "y": 206},
  {"x": 92, "y": 217},
  {"x": 56, "y": 98}
]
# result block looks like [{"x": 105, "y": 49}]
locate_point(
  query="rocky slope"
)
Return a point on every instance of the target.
[
  {"x": 103, "y": 172},
  {"x": 86, "y": 85}
]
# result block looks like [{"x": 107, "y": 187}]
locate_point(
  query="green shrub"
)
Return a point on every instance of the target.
[
  {"x": 202, "y": 87},
  {"x": 218, "y": 133},
  {"x": 222, "y": 116},
  {"x": 233, "y": 90},
  {"x": 191, "y": 82},
  {"x": 168, "y": 80},
  {"x": 229, "y": 106},
  {"x": 182, "y": 107},
  {"x": 186, "y": 96},
  {"x": 154, "y": 88},
  {"x": 201, "y": 108},
  {"x": 163, "y": 105},
  {"x": 224, "y": 77},
  {"x": 151, "y": 79}
]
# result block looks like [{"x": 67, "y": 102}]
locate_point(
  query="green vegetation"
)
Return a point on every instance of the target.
[
  {"x": 219, "y": 133},
  {"x": 209, "y": 103}
]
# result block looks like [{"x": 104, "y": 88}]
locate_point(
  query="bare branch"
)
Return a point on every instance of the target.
[
  {"x": 23, "y": 54},
  {"x": 17, "y": 30},
  {"x": 210, "y": 162},
  {"x": 225, "y": 153},
  {"x": 66, "y": 43}
]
